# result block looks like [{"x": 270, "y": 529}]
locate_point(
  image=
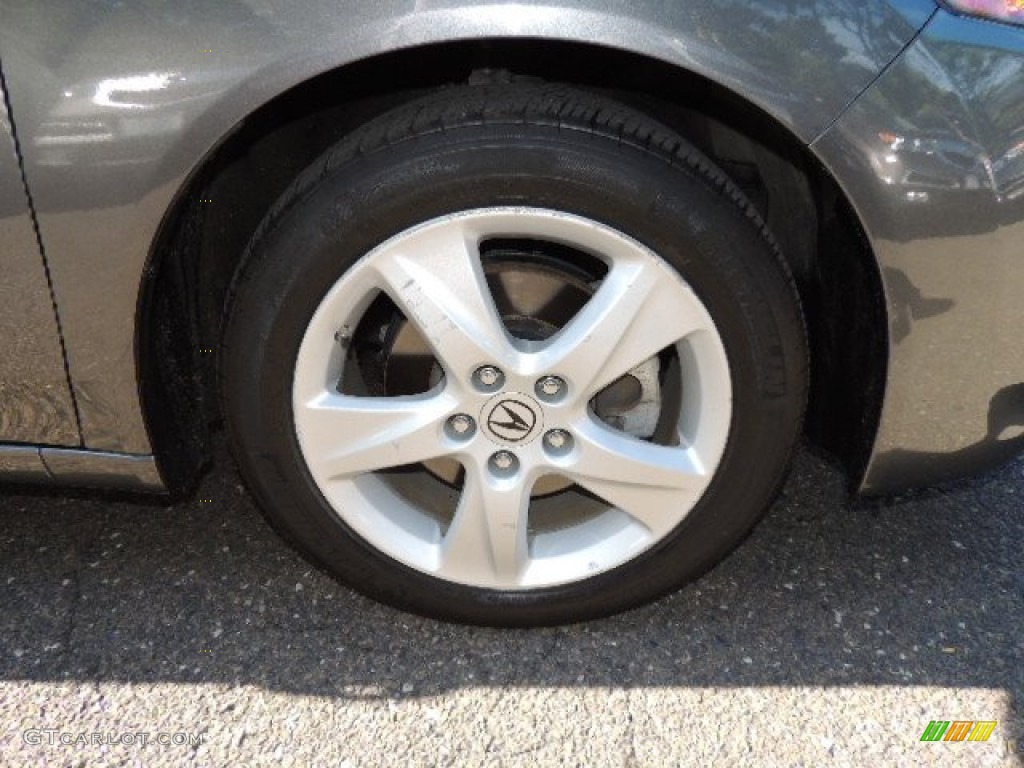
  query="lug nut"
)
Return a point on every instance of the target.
[
  {"x": 460, "y": 425},
  {"x": 558, "y": 441},
  {"x": 489, "y": 377},
  {"x": 504, "y": 463},
  {"x": 550, "y": 387}
]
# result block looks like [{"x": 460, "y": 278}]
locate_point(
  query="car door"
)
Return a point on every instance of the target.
[{"x": 35, "y": 400}]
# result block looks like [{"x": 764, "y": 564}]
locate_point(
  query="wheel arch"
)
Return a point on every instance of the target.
[{"x": 203, "y": 234}]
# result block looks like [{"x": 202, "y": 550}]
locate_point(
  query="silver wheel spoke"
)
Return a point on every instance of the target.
[
  {"x": 348, "y": 436},
  {"x": 437, "y": 280},
  {"x": 651, "y": 483},
  {"x": 487, "y": 541},
  {"x": 637, "y": 312}
]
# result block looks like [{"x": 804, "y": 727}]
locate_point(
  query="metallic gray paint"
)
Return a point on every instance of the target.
[
  {"x": 35, "y": 400},
  {"x": 933, "y": 158},
  {"x": 119, "y": 102},
  {"x": 22, "y": 464},
  {"x": 99, "y": 469},
  {"x": 38, "y": 465}
]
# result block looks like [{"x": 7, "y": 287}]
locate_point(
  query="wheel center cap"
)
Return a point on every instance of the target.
[{"x": 512, "y": 419}]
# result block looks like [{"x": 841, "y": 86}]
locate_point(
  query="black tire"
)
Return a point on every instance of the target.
[{"x": 537, "y": 145}]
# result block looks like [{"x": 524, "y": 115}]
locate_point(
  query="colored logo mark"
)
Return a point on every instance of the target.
[{"x": 959, "y": 730}]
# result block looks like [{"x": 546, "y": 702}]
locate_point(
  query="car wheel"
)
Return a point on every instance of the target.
[{"x": 513, "y": 355}]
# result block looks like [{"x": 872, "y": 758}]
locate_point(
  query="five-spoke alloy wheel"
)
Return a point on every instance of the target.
[
  {"x": 514, "y": 355},
  {"x": 532, "y": 401}
]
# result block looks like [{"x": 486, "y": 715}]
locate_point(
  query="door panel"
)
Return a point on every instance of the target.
[{"x": 35, "y": 401}]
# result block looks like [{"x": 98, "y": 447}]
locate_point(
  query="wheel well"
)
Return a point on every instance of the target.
[{"x": 204, "y": 235}]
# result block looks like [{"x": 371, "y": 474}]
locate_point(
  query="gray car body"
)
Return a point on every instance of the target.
[{"x": 118, "y": 106}]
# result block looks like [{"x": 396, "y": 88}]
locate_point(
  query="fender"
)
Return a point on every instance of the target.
[{"x": 119, "y": 105}]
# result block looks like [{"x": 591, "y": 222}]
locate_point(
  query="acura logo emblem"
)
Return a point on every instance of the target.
[{"x": 511, "y": 419}]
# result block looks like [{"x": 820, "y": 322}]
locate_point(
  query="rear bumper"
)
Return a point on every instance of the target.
[{"x": 932, "y": 156}]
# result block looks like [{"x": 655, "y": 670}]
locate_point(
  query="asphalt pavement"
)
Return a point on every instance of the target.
[{"x": 189, "y": 635}]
